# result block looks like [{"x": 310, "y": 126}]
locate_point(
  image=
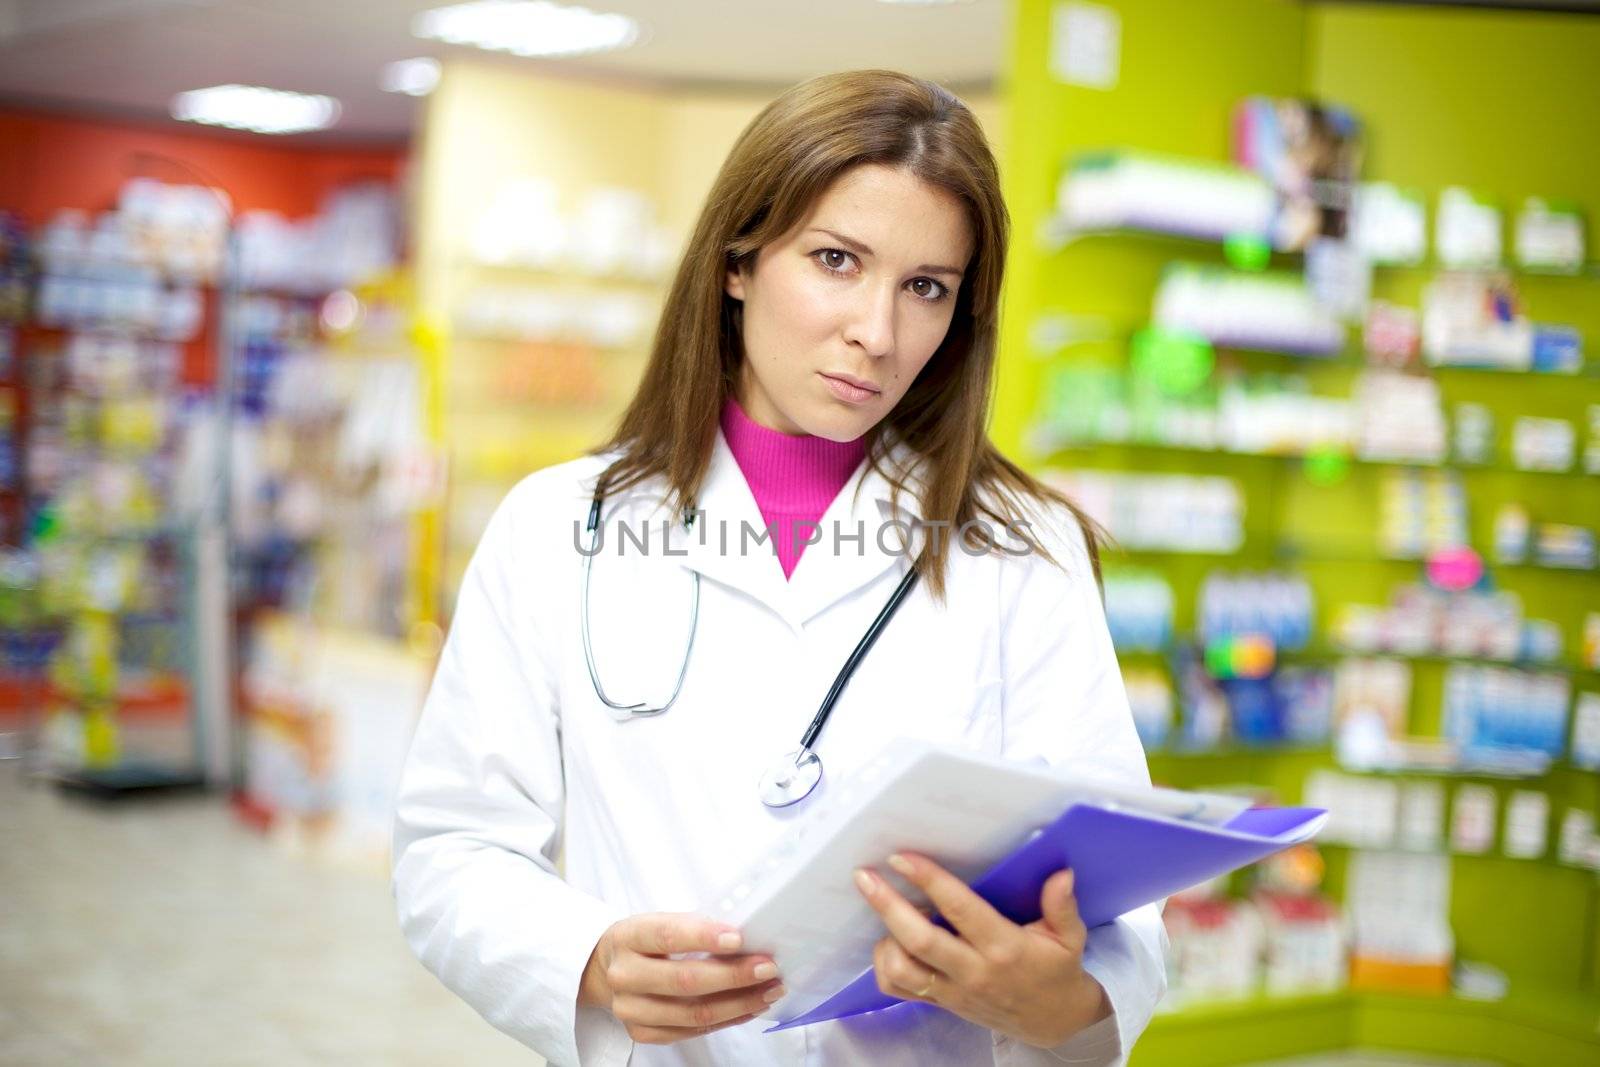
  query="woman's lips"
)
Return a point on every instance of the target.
[{"x": 849, "y": 393}]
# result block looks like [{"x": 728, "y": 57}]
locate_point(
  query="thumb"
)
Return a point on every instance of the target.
[{"x": 1058, "y": 905}]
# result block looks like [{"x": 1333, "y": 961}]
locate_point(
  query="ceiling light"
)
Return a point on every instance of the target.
[
  {"x": 414, "y": 77},
  {"x": 250, "y": 107},
  {"x": 527, "y": 27}
]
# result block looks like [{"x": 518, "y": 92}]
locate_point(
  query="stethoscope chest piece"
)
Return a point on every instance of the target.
[{"x": 791, "y": 778}]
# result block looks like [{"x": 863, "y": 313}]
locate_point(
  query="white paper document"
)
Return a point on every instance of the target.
[{"x": 799, "y": 903}]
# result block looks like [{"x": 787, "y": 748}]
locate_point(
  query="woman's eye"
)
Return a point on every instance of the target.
[{"x": 836, "y": 260}]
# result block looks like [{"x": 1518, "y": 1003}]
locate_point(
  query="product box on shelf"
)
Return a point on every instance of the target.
[
  {"x": 1272, "y": 312},
  {"x": 1475, "y": 319},
  {"x": 1467, "y": 234},
  {"x": 1278, "y": 606},
  {"x": 1310, "y": 152},
  {"x": 1399, "y": 904},
  {"x": 1389, "y": 224},
  {"x": 1216, "y": 950},
  {"x": 1150, "y": 700},
  {"x": 1585, "y": 749},
  {"x": 1161, "y": 512},
  {"x": 1143, "y": 191},
  {"x": 1138, "y": 608},
  {"x": 1503, "y": 709},
  {"x": 331, "y": 713},
  {"x": 1303, "y": 943},
  {"x": 1550, "y": 236}
]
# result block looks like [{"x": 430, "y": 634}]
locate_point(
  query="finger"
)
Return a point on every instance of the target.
[
  {"x": 971, "y": 916},
  {"x": 667, "y": 934},
  {"x": 668, "y": 1035},
  {"x": 636, "y": 973},
  {"x": 695, "y": 1013},
  {"x": 1059, "y": 907},
  {"x": 939, "y": 949},
  {"x": 898, "y": 975}
]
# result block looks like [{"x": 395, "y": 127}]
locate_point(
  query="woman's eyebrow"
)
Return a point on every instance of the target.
[{"x": 860, "y": 249}]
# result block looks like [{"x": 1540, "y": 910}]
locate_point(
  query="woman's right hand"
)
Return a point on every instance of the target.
[{"x": 636, "y": 974}]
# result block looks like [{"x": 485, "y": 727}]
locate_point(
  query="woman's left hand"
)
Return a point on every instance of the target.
[{"x": 1024, "y": 981}]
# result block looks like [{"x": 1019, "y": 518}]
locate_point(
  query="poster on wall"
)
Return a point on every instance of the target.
[{"x": 1310, "y": 152}]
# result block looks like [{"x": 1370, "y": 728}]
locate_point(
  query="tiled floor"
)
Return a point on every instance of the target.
[{"x": 164, "y": 933}]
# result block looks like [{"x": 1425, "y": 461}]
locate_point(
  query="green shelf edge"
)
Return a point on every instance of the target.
[{"x": 1534, "y": 1027}]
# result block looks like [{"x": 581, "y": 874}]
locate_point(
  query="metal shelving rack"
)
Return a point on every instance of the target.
[{"x": 137, "y": 692}]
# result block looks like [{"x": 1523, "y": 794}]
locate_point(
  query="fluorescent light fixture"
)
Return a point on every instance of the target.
[
  {"x": 250, "y": 107},
  {"x": 414, "y": 77},
  {"x": 527, "y": 27}
]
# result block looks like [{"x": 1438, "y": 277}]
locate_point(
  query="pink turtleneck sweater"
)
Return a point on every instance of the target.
[{"x": 793, "y": 479}]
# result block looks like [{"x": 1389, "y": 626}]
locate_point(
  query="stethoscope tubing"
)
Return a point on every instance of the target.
[{"x": 863, "y": 646}]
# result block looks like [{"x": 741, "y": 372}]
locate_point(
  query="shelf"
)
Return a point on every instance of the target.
[
  {"x": 1473, "y": 773},
  {"x": 1585, "y": 272},
  {"x": 1236, "y": 750},
  {"x": 1056, "y": 235},
  {"x": 1055, "y": 448},
  {"x": 1289, "y": 552},
  {"x": 1328, "y": 652},
  {"x": 167, "y": 532},
  {"x": 128, "y": 331},
  {"x": 128, "y": 779},
  {"x": 563, "y": 275},
  {"x": 1588, "y": 373},
  {"x": 1323, "y": 653},
  {"x": 1528, "y": 1026},
  {"x": 1206, "y": 1012}
]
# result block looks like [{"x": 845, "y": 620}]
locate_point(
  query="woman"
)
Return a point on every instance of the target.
[{"x": 821, "y": 369}]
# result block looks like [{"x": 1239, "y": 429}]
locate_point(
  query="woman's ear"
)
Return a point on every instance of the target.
[{"x": 733, "y": 277}]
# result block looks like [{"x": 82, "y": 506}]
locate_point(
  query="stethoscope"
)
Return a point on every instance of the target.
[{"x": 792, "y": 776}]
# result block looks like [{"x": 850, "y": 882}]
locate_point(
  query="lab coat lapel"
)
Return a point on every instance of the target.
[
  {"x": 718, "y": 547},
  {"x": 830, "y": 569},
  {"x": 838, "y": 565}
]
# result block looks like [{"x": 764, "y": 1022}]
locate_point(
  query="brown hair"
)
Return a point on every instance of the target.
[{"x": 784, "y": 160}]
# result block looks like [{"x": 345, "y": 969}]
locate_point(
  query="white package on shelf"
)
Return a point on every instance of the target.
[
  {"x": 1399, "y": 904},
  {"x": 1270, "y": 312},
  {"x": 1140, "y": 191}
]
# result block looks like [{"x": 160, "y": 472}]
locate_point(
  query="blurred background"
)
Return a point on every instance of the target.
[{"x": 1302, "y": 305}]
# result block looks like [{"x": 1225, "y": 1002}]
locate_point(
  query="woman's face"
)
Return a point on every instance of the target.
[{"x": 843, "y": 312}]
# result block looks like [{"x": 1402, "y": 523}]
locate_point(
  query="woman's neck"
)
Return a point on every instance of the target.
[{"x": 792, "y": 477}]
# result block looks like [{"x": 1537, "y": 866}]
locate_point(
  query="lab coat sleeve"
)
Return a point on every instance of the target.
[
  {"x": 478, "y": 817},
  {"x": 1065, "y": 703}
]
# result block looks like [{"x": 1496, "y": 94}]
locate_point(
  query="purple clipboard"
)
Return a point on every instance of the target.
[{"x": 1122, "y": 861}]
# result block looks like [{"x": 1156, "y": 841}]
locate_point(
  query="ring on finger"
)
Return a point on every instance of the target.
[{"x": 927, "y": 989}]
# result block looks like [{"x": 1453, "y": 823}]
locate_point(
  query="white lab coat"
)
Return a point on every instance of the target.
[{"x": 661, "y": 812}]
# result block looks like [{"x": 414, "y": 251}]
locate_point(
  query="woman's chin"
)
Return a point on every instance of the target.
[{"x": 841, "y": 426}]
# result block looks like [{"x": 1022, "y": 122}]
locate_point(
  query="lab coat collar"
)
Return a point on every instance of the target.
[{"x": 831, "y": 568}]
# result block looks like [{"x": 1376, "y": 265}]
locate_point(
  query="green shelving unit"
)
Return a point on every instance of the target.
[
  {"x": 1501, "y": 102},
  {"x": 1535, "y": 1027}
]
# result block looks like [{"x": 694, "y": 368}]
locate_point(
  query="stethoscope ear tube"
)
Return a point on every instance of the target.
[{"x": 640, "y": 708}]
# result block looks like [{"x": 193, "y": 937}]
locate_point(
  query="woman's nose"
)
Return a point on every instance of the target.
[{"x": 871, "y": 322}]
